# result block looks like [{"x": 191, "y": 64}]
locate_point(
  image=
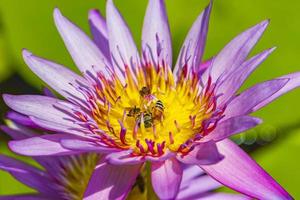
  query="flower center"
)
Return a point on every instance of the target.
[{"x": 151, "y": 115}]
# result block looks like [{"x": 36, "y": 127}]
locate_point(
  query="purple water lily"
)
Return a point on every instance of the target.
[
  {"x": 66, "y": 177},
  {"x": 134, "y": 108}
]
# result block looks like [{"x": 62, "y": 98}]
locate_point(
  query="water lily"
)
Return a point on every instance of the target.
[
  {"x": 66, "y": 177},
  {"x": 135, "y": 108}
]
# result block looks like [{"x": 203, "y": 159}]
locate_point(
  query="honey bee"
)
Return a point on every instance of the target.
[
  {"x": 147, "y": 119},
  {"x": 145, "y": 91},
  {"x": 158, "y": 109},
  {"x": 134, "y": 112}
]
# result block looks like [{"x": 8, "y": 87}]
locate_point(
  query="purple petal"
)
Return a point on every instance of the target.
[
  {"x": 21, "y": 119},
  {"x": 26, "y": 174},
  {"x": 47, "y": 112},
  {"x": 121, "y": 44},
  {"x": 230, "y": 85},
  {"x": 18, "y": 132},
  {"x": 111, "y": 181},
  {"x": 86, "y": 146},
  {"x": 239, "y": 172},
  {"x": 197, "y": 187},
  {"x": 45, "y": 145},
  {"x": 193, "y": 47},
  {"x": 124, "y": 157},
  {"x": 84, "y": 52},
  {"x": 99, "y": 31},
  {"x": 235, "y": 53},
  {"x": 218, "y": 195},
  {"x": 61, "y": 79},
  {"x": 156, "y": 35},
  {"x": 232, "y": 126},
  {"x": 294, "y": 81},
  {"x": 47, "y": 92},
  {"x": 190, "y": 172},
  {"x": 166, "y": 178},
  {"x": 204, "y": 153},
  {"x": 244, "y": 103}
]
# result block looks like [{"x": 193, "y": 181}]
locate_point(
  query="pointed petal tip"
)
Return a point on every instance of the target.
[
  {"x": 7, "y": 98},
  {"x": 93, "y": 13},
  {"x": 26, "y": 52}
]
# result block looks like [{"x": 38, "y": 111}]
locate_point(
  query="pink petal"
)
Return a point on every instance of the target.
[
  {"x": 156, "y": 32},
  {"x": 84, "y": 52},
  {"x": 45, "y": 145},
  {"x": 229, "y": 85},
  {"x": 121, "y": 44},
  {"x": 193, "y": 47},
  {"x": 99, "y": 31},
  {"x": 235, "y": 52},
  {"x": 203, "y": 154},
  {"x": 47, "y": 112},
  {"x": 81, "y": 144},
  {"x": 111, "y": 181},
  {"x": 239, "y": 172},
  {"x": 166, "y": 178},
  {"x": 231, "y": 126},
  {"x": 245, "y": 102},
  {"x": 294, "y": 81},
  {"x": 61, "y": 79},
  {"x": 26, "y": 174}
]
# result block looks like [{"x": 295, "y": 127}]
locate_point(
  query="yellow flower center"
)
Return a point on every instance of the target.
[{"x": 151, "y": 114}]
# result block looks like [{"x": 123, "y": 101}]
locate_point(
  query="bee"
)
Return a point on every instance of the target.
[
  {"x": 145, "y": 91},
  {"x": 134, "y": 112},
  {"x": 158, "y": 109},
  {"x": 147, "y": 119}
]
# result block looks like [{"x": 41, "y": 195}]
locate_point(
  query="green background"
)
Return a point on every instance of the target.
[{"x": 275, "y": 144}]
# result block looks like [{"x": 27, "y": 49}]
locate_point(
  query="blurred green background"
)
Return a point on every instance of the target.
[{"x": 275, "y": 144}]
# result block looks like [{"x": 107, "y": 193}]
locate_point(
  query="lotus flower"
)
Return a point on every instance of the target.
[
  {"x": 66, "y": 177},
  {"x": 136, "y": 108}
]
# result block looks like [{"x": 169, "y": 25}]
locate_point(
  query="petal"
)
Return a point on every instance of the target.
[
  {"x": 111, "y": 181},
  {"x": 230, "y": 85},
  {"x": 193, "y": 47},
  {"x": 239, "y": 172},
  {"x": 121, "y": 44},
  {"x": 26, "y": 174},
  {"x": 99, "y": 31},
  {"x": 197, "y": 187},
  {"x": 46, "y": 145},
  {"x": 244, "y": 103},
  {"x": 17, "y": 133},
  {"x": 189, "y": 173},
  {"x": 156, "y": 35},
  {"x": 234, "y": 53},
  {"x": 124, "y": 158},
  {"x": 294, "y": 81},
  {"x": 220, "y": 195},
  {"x": 231, "y": 127},
  {"x": 47, "y": 112},
  {"x": 21, "y": 119},
  {"x": 166, "y": 178},
  {"x": 61, "y": 79},
  {"x": 204, "y": 153},
  {"x": 84, "y": 52},
  {"x": 78, "y": 144}
]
